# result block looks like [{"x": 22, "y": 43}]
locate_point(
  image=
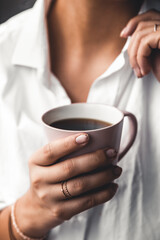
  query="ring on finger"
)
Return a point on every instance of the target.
[
  {"x": 155, "y": 27},
  {"x": 64, "y": 190}
]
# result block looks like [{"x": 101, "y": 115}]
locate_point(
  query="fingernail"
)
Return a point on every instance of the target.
[
  {"x": 137, "y": 72},
  {"x": 143, "y": 73},
  {"x": 124, "y": 32},
  {"x": 81, "y": 139},
  {"x": 117, "y": 171},
  {"x": 111, "y": 153}
]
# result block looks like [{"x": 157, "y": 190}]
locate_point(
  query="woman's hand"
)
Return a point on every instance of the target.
[
  {"x": 144, "y": 47},
  {"x": 87, "y": 182}
]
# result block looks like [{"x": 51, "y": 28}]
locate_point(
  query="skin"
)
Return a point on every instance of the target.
[
  {"x": 89, "y": 178},
  {"x": 75, "y": 44},
  {"x": 78, "y": 45}
]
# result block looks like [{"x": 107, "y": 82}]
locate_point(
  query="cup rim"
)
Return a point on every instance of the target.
[{"x": 85, "y": 131}]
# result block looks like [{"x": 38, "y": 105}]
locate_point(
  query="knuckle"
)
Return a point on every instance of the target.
[
  {"x": 141, "y": 25},
  {"x": 43, "y": 195},
  {"x": 138, "y": 36},
  {"x": 60, "y": 214},
  {"x": 68, "y": 168},
  {"x": 36, "y": 182},
  {"x": 40, "y": 191},
  {"x": 47, "y": 150},
  {"x": 79, "y": 185},
  {"x": 91, "y": 202},
  {"x": 57, "y": 212}
]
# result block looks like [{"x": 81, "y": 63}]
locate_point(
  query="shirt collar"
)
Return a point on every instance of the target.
[{"x": 31, "y": 49}]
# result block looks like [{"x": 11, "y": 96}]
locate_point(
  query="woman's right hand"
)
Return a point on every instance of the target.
[{"x": 89, "y": 181}]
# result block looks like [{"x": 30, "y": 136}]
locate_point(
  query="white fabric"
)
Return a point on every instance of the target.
[{"x": 28, "y": 89}]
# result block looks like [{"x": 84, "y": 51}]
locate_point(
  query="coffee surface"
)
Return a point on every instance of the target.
[{"x": 77, "y": 124}]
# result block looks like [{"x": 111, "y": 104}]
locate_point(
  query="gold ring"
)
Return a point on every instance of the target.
[
  {"x": 155, "y": 27},
  {"x": 64, "y": 190},
  {"x": 68, "y": 193}
]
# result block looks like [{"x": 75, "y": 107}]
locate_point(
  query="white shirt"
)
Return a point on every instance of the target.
[{"x": 28, "y": 89}]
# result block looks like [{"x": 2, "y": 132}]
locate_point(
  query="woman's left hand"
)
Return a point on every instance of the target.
[{"x": 144, "y": 46}]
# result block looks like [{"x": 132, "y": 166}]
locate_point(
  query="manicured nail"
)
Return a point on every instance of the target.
[
  {"x": 143, "y": 73},
  {"x": 137, "y": 72},
  {"x": 117, "y": 171},
  {"x": 81, "y": 139},
  {"x": 111, "y": 153},
  {"x": 124, "y": 32}
]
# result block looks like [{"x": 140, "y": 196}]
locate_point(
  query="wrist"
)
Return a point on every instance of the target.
[
  {"x": 14, "y": 228},
  {"x": 5, "y": 224},
  {"x": 27, "y": 219}
]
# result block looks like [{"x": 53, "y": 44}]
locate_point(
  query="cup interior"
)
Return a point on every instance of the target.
[{"x": 99, "y": 112}]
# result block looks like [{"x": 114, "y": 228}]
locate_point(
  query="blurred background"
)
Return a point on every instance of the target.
[{"x": 8, "y": 8}]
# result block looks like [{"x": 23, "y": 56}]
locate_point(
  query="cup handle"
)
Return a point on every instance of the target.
[{"x": 133, "y": 132}]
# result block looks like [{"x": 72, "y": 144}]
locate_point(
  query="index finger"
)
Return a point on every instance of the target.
[
  {"x": 133, "y": 23},
  {"x": 53, "y": 151}
]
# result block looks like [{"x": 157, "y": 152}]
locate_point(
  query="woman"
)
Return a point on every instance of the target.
[{"x": 86, "y": 60}]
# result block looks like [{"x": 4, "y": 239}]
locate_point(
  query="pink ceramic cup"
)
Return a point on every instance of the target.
[{"x": 107, "y": 137}]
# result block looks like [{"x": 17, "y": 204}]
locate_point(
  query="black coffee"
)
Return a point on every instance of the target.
[{"x": 77, "y": 124}]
